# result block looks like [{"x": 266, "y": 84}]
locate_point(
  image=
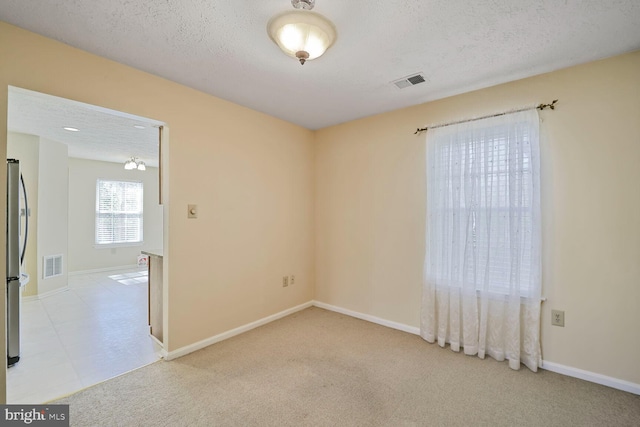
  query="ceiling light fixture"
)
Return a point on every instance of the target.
[
  {"x": 70, "y": 129},
  {"x": 302, "y": 34},
  {"x": 138, "y": 126},
  {"x": 134, "y": 163}
]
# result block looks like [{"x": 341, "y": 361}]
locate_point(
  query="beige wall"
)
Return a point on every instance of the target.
[
  {"x": 370, "y": 209},
  {"x": 83, "y": 254},
  {"x": 250, "y": 174}
]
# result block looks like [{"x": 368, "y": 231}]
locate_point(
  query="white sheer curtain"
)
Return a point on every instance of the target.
[{"x": 482, "y": 266}]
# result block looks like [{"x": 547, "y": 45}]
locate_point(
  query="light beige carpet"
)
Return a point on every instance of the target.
[{"x": 319, "y": 368}]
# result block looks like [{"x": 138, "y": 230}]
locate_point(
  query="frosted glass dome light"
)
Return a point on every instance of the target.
[{"x": 301, "y": 34}]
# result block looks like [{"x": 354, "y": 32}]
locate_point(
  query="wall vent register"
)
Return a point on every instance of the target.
[{"x": 52, "y": 266}]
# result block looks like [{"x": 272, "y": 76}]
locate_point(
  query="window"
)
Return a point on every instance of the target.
[
  {"x": 483, "y": 206},
  {"x": 118, "y": 212},
  {"x": 481, "y": 289}
]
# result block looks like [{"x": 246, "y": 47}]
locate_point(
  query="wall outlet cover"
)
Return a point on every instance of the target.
[{"x": 557, "y": 317}]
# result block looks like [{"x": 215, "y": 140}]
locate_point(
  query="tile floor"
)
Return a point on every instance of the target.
[{"x": 94, "y": 331}]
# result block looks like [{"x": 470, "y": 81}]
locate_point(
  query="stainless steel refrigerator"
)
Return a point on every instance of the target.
[{"x": 16, "y": 247}]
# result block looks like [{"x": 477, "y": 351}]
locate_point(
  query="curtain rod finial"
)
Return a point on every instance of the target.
[{"x": 551, "y": 106}]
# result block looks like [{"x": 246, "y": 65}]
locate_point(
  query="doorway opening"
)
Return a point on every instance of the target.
[{"x": 89, "y": 322}]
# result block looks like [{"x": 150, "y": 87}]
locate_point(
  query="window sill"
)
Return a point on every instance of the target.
[
  {"x": 505, "y": 297},
  {"x": 118, "y": 245},
  {"x": 496, "y": 295}
]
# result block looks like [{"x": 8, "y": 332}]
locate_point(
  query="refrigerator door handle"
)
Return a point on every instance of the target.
[
  {"x": 13, "y": 218},
  {"x": 26, "y": 220}
]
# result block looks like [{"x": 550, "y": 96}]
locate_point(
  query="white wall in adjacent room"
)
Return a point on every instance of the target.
[
  {"x": 52, "y": 211},
  {"x": 83, "y": 253}
]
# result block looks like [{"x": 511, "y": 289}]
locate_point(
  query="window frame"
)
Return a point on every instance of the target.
[
  {"x": 137, "y": 213},
  {"x": 499, "y": 289}
]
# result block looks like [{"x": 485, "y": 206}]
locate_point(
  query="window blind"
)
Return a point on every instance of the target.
[
  {"x": 482, "y": 202},
  {"x": 118, "y": 212}
]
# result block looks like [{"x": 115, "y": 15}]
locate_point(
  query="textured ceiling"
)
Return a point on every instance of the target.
[
  {"x": 103, "y": 134},
  {"x": 221, "y": 46}
]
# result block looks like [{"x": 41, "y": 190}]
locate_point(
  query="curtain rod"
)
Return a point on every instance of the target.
[{"x": 551, "y": 106}]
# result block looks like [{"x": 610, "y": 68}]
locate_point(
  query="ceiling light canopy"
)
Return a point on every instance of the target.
[
  {"x": 303, "y": 4},
  {"x": 301, "y": 34}
]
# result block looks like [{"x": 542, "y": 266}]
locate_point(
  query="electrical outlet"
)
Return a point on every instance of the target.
[
  {"x": 292, "y": 281},
  {"x": 557, "y": 317},
  {"x": 285, "y": 281}
]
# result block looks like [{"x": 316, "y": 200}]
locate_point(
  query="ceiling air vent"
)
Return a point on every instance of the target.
[{"x": 409, "y": 81}]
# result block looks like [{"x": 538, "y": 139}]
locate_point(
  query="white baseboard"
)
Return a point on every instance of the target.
[
  {"x": 45, "y": 294},
  {"x": 369, "y": 318},
  {"x": 102, "y": 270},
  {"x": 549, "y": 366},
  {"x": 164, "y": 354},
  {"x": 155, "y": 339},
  {"x": 233, "y": 332},
  {"x": 77, "y": 273},
  {"x": 592, "y": 377}
]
